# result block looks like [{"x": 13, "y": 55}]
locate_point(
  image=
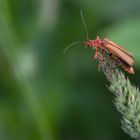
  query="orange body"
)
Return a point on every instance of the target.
[
  {"x": 118, "y": 51},
  {"x": 122, "y": 63},
  {"x": 127, "y": 67},
  {"x": 122, "y": 57}
]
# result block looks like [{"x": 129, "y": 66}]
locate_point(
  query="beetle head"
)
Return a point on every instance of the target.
[{"x": 94, "y": 43}]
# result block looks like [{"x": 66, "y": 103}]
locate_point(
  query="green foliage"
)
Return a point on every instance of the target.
[{"x": 45, "y": 95}]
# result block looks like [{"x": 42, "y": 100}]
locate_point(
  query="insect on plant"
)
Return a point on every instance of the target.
[{"x": 105, "y": 47}]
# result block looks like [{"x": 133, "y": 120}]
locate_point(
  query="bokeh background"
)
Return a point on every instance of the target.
[{"x": 45, "y": 95}]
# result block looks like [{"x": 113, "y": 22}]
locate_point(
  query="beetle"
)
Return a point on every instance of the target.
[
  {"x": 117, "y": 54},
  {"x": 121, "y": 56}
]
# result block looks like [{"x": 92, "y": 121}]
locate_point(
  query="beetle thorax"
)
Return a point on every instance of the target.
[{"x": 97, "y": 42}]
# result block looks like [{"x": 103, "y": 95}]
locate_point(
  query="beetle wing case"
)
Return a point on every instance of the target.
[{"x": 118, "y": 51}]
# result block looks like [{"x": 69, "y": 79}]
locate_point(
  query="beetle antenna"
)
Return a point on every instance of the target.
[
  {"x": 85, "y": 25},
  {"x": 71, "y": 45}
]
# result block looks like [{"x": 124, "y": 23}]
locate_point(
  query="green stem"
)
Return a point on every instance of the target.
[{"x": 127, "y": 102}]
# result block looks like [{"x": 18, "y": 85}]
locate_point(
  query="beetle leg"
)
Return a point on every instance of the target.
[
  {"x": 99, "y": 66},
  {"x": 112, "y": 61},
  {"x": 113, "y": 67},
  {"x": 110, "y": 57},
  {"x": 96, "y": 54},
  {"x": 102, "y": 59}
]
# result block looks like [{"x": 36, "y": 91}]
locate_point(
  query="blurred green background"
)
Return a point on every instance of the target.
[{"x": 45, "y": 95}]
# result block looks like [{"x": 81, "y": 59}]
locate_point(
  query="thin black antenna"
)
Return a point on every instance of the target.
[
  {"x": 85, "y": 25},
  {"x": 72, "y": 44}
]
